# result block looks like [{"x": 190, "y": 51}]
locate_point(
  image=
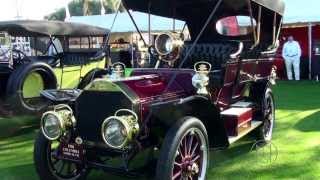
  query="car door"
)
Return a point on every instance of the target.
[{"x": 68, "y": 77}]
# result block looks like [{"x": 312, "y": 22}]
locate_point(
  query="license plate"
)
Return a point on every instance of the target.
[{"x": 72, "y": 151}]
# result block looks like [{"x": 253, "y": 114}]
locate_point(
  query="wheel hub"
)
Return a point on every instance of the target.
[
  {"x": 189, "y": 167},
  {"x": 190, "y": 161}
]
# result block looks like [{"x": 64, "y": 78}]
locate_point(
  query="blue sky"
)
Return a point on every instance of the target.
[
  {"x": 302, "y": 10},
  {"x": 301, "y": 7}
]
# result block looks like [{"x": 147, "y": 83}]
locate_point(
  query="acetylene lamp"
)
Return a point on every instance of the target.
[
  {"x": 201, "y": 78},
  {"x": 119, "y": 130},
  {"x": 55, "y": 123},
  {"x": 168, "y": 46}
]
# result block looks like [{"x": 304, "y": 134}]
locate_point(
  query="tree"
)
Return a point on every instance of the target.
[
  {"x": 112, "y": 5},
  {"x": 84, "y": 8}
]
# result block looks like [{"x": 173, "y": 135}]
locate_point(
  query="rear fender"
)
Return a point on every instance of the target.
[
  {"x": 166, "y": 114},
  {"x": 257, "y": 91}
]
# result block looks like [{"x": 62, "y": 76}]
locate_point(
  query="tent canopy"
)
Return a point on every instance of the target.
[{"x": 123, "y": 22}]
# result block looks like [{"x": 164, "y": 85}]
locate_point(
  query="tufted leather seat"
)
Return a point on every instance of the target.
[
  {"x": 76, "y": 59},
  {"x": 51, "y": 60},
  {"x": 215, "y": 53}
]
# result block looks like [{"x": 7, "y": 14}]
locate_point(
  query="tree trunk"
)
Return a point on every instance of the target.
[{"x": 86, "y": 8}]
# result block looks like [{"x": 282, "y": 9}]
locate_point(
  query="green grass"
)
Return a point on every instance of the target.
[{"x": 296, "y": 137}]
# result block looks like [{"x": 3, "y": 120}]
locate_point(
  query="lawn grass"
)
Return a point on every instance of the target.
[{"x": 296, "y": 137}]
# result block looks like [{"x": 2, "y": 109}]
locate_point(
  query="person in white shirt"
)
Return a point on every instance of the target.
[{"x": 291, "y": 53}]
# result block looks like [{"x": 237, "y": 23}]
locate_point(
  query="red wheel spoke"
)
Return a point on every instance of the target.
[
  {"x": 190, "y": 145},
  {"x": 178, "y": 164},
  {"x": 196, "y": 158},
  {"x": 191, "y": 156},
  {"x": 194, "y": 149},
  {"x": 178, "y": 174},
  {"x": 180, "y": 153},
  {"x": 185, "y": 146}
]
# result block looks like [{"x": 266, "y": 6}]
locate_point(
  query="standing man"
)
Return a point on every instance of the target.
[{"x": 291, "y": 53}]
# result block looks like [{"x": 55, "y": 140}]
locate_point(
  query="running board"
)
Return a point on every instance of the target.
[{"x": 254, "y": 125}]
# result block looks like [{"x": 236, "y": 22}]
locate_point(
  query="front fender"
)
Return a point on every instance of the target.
[{"x": 166, "y": 114}]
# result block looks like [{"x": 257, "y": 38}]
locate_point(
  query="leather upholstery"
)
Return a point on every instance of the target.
[
  {"x": 215, "y": 53},
  {"x": 75, "y": 59},
  {"x": 52, "y": 61}
]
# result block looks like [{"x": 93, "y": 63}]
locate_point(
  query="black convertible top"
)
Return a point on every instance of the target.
[
  {"x": 275, "y": 5},
  {"x": 196, "y": 12},
  {"x": 50, "y": 28},
  {"x": 166, "y": 7}
]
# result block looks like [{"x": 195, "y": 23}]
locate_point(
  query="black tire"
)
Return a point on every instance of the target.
[
  {"x": 44, "y": 165},
  {"x": 93, "y": 74},
  {"x": 264, "y": 132},
  {"x": 14, "y": 94},
  {"x": 178, "y": 134}
]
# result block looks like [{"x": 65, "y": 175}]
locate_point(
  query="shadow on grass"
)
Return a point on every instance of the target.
[
  {"x": 222, "y": 156},
  {"x": 309, "y": 124},
  {"x": 277, "y": 171},
  {"x": 100, "y": 175},
  {"x": 19, "y": 172},
  {"x": 15, "y": 126}
]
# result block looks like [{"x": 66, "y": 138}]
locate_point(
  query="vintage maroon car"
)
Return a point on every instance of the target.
[{"x": 214, "y": 90}]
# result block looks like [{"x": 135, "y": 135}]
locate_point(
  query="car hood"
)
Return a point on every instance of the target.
[
  {"x": 145, "y": 85},
  {"x": 103, "y": 97}
]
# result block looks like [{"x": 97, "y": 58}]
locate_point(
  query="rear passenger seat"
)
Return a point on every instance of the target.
[
  {"x": 215, "y": 53},
  {"x": 76, "y": 58}
]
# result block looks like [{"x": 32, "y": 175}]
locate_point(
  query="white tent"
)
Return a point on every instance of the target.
[{"x": 123, "y": 22}]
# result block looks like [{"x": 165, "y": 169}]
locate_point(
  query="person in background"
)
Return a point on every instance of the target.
[
  {"x": 291, "y": 53},
  {"x": 316, "y": 64}
]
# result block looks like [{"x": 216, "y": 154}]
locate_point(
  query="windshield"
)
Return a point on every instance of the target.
[{"x": 135, "y": 46}]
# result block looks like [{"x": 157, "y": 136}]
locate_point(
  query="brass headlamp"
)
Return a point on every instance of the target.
[
  {"x": 119, "y": 130},
  {"x": 55, "y": 123},
  {"x": 168, "y": 46}
]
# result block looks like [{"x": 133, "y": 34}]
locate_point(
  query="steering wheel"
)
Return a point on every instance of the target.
[{"x": 19, "y": 56}]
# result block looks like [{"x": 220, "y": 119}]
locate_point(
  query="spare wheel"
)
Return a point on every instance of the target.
[{"x": 25, "y": 85}]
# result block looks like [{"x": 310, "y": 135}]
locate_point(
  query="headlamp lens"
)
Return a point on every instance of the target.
[
  {"x": 115, "y": 133},
  {"x": 51, "y": 126}
]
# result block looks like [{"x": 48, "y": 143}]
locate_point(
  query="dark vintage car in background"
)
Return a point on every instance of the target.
[
  {"x": 203, "y": 94},
  {"x": 38, "y": 55}
]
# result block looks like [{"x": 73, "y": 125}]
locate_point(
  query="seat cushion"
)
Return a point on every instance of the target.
[
  {"x": 215, "y": 53},
  {"x": 51, "y": 60},
  {"x": 76, "y": 58}
]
